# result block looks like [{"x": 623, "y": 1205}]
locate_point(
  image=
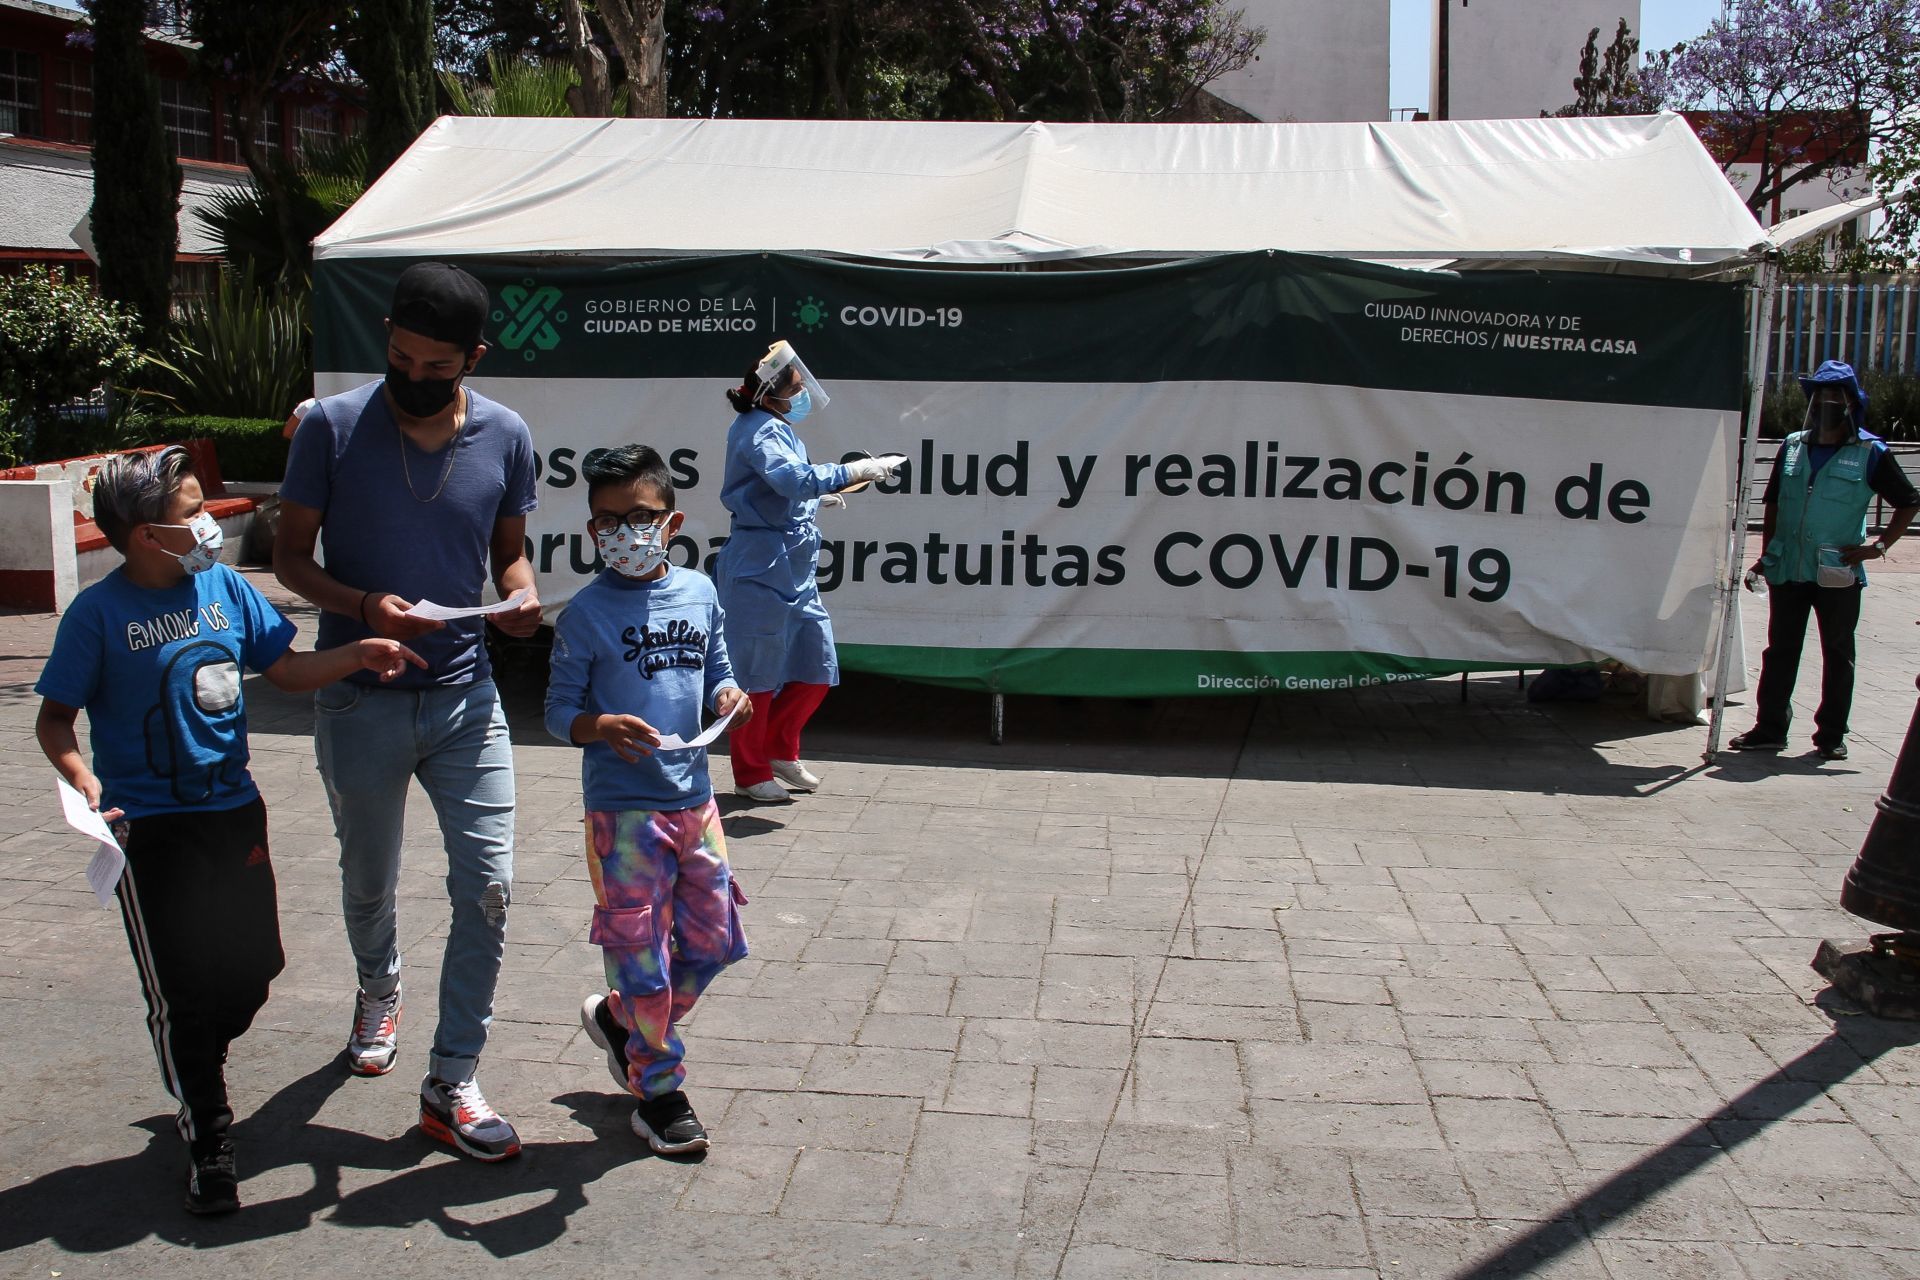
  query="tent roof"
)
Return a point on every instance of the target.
[
  {"x": 1632, "y": 189},
  {"x": 1811, "y": 226}
]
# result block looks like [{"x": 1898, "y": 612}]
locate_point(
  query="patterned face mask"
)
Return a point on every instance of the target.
[
  {"x": 207, "y": 541},
  {"x": 633, "y": 553}
]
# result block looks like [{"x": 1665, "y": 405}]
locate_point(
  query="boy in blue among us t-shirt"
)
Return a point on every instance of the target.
[
  {"x": 153, "y": 652},
  {"x": 636, "y": 655}
]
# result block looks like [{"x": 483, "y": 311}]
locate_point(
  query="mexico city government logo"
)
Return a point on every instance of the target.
[{"x": 527, "y": 318}]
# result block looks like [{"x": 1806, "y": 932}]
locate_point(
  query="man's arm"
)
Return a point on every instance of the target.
[
  {"x": 1891, "y": 485},
  {"x": 295, "y": 566},
  {"x": 507, "y": 550}
]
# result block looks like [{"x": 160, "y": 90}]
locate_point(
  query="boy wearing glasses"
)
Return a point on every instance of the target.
[{"x": 637, "y": 654}]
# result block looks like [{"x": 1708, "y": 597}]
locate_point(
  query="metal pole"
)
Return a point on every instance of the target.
[
  {"x": 1766, "y": 279},
  {"x": 997, "y": 719}
]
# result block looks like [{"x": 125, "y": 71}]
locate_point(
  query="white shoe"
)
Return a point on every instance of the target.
[
  {"x": 796, "y": 775},
  {"x": 375, "y": 1039},
  {"x": 768, "y": 792}
]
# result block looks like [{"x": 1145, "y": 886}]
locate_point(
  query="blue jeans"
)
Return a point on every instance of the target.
[{"x": 370, "y": 743}]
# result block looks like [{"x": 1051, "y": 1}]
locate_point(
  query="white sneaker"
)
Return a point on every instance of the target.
[
  {"x": 375, "y": 1040},
  {"x": 768, "y": 792},
  {"x": 459, "y": 1115},
  {"x": 796, "y": 775}
]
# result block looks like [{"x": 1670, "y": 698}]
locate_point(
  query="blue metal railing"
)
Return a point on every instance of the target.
[{"x": 1871, "y": 322}]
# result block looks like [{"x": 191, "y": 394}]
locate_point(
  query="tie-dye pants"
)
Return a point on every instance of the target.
[{"x": 668, "y": 921}]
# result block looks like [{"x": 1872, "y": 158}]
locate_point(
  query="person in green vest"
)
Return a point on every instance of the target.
[{"x": 1814, "y": 531}]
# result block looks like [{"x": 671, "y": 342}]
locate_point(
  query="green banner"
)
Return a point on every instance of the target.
[
  {"x": 1256, "y": 472},
  {"x": 1259, "y": 317}
]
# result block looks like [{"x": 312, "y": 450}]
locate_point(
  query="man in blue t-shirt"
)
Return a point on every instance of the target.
[
  {"x": 413, "y": 487},
  {"x": 153, "y": 653}
]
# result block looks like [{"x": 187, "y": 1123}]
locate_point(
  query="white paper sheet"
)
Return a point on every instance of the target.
[
  {"x": 447, "y": 613},
  {"x": 103, "y": 872},
  {"x": 673, "y": 742}
]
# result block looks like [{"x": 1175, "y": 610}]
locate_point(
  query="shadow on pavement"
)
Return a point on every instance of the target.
[
  {"x": 1420, "y": 734},
  {"x": 112, "y": 1204},
  {"x": 1855, "y": 1043}
]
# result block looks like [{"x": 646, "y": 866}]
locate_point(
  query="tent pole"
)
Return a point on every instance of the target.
[{"x": 1767, "y": 283}]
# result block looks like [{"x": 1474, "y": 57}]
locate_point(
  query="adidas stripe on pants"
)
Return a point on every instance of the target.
[{"x": 203, "y": 923}]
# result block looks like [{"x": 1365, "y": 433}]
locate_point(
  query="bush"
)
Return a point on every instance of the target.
[
  {"x": 242, "y": 352},
  {"x": 249, "y": 449},
  {"x": 58, "y": 342},
  {"x": 1893, "y": 406}
]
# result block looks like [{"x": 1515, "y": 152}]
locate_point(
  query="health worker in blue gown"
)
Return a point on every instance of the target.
[{"x": 778, "y": 632}]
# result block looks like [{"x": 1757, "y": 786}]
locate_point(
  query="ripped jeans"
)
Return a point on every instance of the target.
[
  {"x": 371, "y": 744},
  {"x": 668, "y": 921}
]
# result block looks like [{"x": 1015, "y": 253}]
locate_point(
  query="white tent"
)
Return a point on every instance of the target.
[
  {"x": 1625, "y": 190},
  {"x": 1623, "y": 195}
]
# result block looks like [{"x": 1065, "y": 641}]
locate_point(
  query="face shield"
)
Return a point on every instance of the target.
[
  {"x": 784, "y": 375},
  {"x": 1828, "y": 410}
]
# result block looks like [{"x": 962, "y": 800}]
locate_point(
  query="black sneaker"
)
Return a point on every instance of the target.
[
  {"x": 669, "y": 1125},
  {"x": 1838, "y": 751},
  {"x": 1755, "y": 740},
  {"x": 596, "y": 1015},
  {"x": 212, "y": 1185}
]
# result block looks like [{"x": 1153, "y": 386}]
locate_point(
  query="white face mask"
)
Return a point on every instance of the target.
[
  {"x": 633, "y": 553},
  {"x": 207, "y": 540}
]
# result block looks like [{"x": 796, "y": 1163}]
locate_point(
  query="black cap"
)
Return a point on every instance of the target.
[{"x": 441, "y": 302}]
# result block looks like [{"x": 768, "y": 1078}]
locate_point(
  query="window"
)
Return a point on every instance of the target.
[
  {"x": 72, "y": 101},
  {"x": 188, "y": 117},
  {"x": 266, "y": 131},
  {"x": 314, "y": 126},
  {"x": 19, "y": 93}
]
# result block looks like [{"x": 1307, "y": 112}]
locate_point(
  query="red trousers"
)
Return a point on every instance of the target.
[{"x": 774, "y": 732}]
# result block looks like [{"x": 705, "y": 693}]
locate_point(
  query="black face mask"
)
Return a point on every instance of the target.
[{"x": 421, "y": 398}]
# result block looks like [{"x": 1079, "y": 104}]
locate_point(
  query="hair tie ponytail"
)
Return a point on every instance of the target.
[{"x": 744, "y": 396}]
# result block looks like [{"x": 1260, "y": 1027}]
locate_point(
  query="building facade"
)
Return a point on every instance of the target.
[
  {"x": 1323, "y": 60},
  {"x": 46, "y": 135},
  {"x": 1509, "y": 59}
]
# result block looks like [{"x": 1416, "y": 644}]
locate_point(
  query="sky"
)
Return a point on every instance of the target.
[{"x": 1664, "y": 23}]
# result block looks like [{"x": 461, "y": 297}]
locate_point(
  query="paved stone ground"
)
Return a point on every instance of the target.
[{"x": 1380, "y": 984}]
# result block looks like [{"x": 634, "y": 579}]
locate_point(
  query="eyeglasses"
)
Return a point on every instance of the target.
[{"x": 638, "y": 519}]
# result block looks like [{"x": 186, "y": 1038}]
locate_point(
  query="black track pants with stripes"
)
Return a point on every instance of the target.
[{"x": 202, "y": 919}]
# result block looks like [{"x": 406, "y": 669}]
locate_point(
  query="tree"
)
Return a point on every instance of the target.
[
  {"x": 390, "y": 47},
  {"x": 951, "y": 59},
  {"x": 639, "y": 32},
  {"x": 257, "y": 48},
  {"x": 466, "y": 31},
  {"x": 58, "y": 341},
  {"x": 1809, "y": 87},
  {"x": 1607, "y": 84},
  {"x": 521, "y": 87},
  {"x": 136, "y": 179}
]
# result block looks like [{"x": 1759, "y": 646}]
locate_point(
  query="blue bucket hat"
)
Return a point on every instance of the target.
[{"x": 1839, "y": 373}]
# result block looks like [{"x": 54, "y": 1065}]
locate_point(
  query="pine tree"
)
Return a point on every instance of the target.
[
  {"x": 392, "y": 51},
  {"x": 136, "y": 179}
]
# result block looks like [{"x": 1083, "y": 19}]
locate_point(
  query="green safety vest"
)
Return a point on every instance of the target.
[{"x": 1828, "y": 509}]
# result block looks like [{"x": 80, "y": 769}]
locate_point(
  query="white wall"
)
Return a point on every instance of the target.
[
  {"x": 1323, "y": 60},
  {"x": 1834, "y": 187},
  {"x": 1517, "y": 58}
]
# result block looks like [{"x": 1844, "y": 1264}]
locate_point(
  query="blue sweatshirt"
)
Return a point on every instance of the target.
[{"x": 656, "y": 650}]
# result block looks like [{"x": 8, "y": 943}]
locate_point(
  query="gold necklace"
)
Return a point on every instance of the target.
[{"x": 459, "y": 425}]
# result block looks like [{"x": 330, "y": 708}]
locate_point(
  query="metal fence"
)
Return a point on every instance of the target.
[
  {"x": 1871, "y": 322},
  {"x": 1768, "y": 450}
]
